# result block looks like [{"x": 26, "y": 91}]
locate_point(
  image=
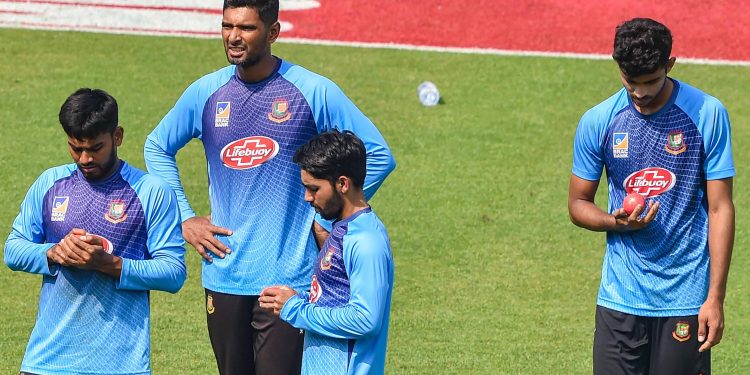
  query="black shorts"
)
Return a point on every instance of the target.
[
  {"x": 247, "y": 339},
  {"x": 626, "y": 344}
]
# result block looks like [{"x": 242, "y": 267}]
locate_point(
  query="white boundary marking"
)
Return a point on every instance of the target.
[
  {"x": 498, "y": 52},
  {"x": 76, "y": 16}
]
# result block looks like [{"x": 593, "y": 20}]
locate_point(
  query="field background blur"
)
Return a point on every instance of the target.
[{"x": 491, "y": 276}]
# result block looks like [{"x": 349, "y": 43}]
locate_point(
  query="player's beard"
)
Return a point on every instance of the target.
[
  {"x": 102, "y": 171},
  {"x": 249, "y": 61},
  {"x": 333, "y": 208}
]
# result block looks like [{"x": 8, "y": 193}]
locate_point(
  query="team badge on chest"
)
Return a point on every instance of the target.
[
  {"x": 325, "y": 262},
  {"x": 279, "y": 111},
  {"x": 116, "y": 213},
  {"x": 676, "y": 142}
]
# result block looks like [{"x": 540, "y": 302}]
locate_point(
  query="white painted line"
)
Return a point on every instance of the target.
[{"x": 492, "y": 51}]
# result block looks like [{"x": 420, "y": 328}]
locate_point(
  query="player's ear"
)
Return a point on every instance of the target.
[
  {"x": 343, "y": 184},
  {"x": 119, "y": 134},
  {"x": 274, "y": 31},
  {"x": 670, "y": 64}
]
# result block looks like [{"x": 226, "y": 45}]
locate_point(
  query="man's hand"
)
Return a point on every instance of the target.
[
  {"x": 711, "y": 319},
  {"x": 274, "y": 297},
  {"x": 85, "y": 251},
  {"x": 625, "y": 222},
  {"x": 199, "y": 232},
  {"x": 64, "y": 253}
]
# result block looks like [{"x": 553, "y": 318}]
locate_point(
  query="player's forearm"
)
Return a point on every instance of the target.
[
  {"x": 720, "y": 245},
  {"x": 346, "y": 322},
  {"x": 165, "y": 272},
  {"x": 586, "y": 214},
  {"x": 24, "y": 255}
]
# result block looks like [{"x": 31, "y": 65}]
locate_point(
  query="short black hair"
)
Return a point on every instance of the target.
[
  {"x": 642, "y": 46},
  {"x": 333, "y": 154},
  {"x": 88, "y": 113},
  {"x": 268, "y": 10}
]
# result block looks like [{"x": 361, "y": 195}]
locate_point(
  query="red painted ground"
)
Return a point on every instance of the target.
[{"x": 717, "y": 29}]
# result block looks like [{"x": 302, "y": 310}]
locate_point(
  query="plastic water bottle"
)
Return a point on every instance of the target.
[{"x": 428, "y": 94}]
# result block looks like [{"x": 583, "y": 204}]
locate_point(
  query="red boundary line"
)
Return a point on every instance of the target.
[{"x": 17, "y": 12}]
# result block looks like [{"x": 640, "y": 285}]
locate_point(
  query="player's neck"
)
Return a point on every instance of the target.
[
  {"x": 260, "y": 71},
  {"x": 353, "y": 205}
]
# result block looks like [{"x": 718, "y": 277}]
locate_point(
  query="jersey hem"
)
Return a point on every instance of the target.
[
  {"x": 247, "y": 291},
  {"x": 586, "y": 176},
  {"x": 39, "y": 371},
  {"x": 651, "y": 313},
  {"x": 718, "y": 175}
]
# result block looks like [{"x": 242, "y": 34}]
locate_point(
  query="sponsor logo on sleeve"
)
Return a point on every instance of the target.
[
  {"x": 650, "y": 182},
  {"x": 279, "y": 111},
  {"x": 249, "y": 152},
  {"x": 676, "y": 142},
  {"x": 59, "y": 208},
  {"x": 221, "y": 120},
  {"x": 620, "y": 145},
  {"x": 116, "y": 212},
  {"x": 681, "y": 331},
  {"x": 315, "y": 290}
]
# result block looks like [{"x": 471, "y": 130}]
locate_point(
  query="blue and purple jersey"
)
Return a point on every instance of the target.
[
  {"x": 663, "y": 269},
  {"x": 346, "y": 312},
  {"x": 250, "y": 132},
  {"x": 89, "y": 322}
]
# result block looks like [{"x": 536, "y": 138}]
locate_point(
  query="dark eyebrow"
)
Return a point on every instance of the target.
[{"x": 98, "y": 145}]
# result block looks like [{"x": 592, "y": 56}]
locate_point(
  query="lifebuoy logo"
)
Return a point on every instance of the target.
[
  {"x": 249, "y": 152},
  {"x": 650, "y": 182}
]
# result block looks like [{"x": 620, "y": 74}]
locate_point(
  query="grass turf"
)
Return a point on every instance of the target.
[{"x": 491, "y": 276}]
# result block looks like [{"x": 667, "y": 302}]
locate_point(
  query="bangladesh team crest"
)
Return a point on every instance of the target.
[
  {"x": 681, "y": 331},
  {"x": 279, "y": 111},
  {"x": 676, "y": 142},
  {"x": 325, "y": 262},
  {"x": 116, "y": 213}
]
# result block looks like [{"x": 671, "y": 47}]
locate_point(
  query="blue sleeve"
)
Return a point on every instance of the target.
[
  {"x": 332, "y": 109},
  {"x": 181, "y": 124},
  {"x": 25, "y": 249},
  {"x": 166, "y": 269},
  {"x": 717, "y": 138},
  {"x": 588, "y": 158},
  {"x": 367, "y": 262}
]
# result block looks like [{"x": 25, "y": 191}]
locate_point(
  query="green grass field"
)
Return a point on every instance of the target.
[{"x": 491, "y": 276}]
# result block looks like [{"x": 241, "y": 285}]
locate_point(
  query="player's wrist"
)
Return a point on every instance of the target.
[{"x": 715, "y": 298}]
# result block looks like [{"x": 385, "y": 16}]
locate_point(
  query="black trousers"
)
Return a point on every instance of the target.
[
  {"x": 626, "y": 344},
  {"x": 248, "y": 340}
]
